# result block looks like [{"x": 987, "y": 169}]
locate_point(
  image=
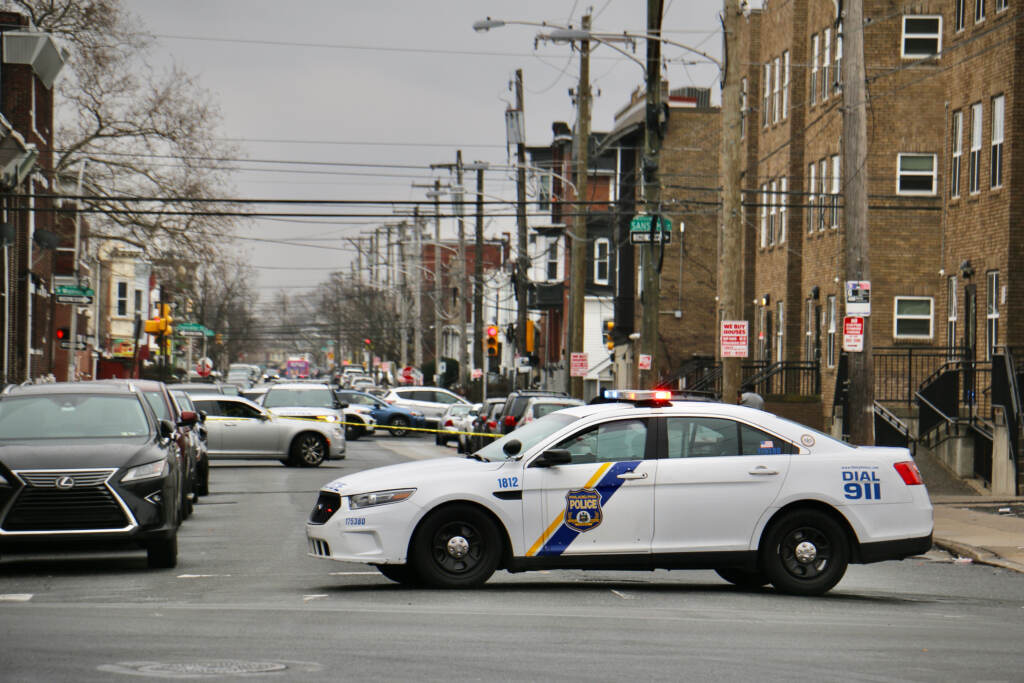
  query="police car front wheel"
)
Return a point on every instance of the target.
[
  {"x": 807, "y": 552},
  {"x": 743, "y": 578},
  {"x": 457, "y": 546}
]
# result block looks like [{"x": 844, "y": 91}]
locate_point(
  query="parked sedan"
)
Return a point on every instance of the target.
[
  {"x": 85, "y": 465},
  {"x": 431, "y": 401},
  {"x": 397, "y": 418},
  {"x": 237, "y": 428},
  {"x": 316, "y": 401},
  {"x": 454, "y": 421}
]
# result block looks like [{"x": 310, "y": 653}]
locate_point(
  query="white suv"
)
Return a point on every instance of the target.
[{"x": 431, "y": 401}]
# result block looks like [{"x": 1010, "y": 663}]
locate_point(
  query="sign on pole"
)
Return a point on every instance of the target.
[
  {"x": 70, "y": 294},
  {"x": 733, "y": 339},
  {"x": 640, "y": 230},
  {"x": 578, "y": 365},
  {"x": 204, "y": 366},
  {"x": 644, "y": 361},
  {"x": 858, "y": 297},
  {"x": 853, "y": 333}
]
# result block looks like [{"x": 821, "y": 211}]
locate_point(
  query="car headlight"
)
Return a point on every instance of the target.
[
  {"x": 329, "y": 418},
  {"x": 150, "y": 471},
  {"x": 365, "y": 500}
]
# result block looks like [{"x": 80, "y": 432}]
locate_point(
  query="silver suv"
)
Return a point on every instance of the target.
[{"x": 431, "y": 401}]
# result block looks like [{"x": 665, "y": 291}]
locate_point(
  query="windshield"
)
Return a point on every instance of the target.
[
  {"x": 72, "y": 416},
  {"x": 542, "y": 409},
  {"x": 313, "y": 397},
  {"x": 528, "y": 436}
]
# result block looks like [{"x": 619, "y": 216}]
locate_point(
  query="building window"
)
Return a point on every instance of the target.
[
  {"x": 826, "y": 49},
  {"x": 122, "y": 299},
  {"x": 764, "y": 215},
  {"x": 959, "y": 15},
  {"x": 772, "y": 203},
  {"x": 1002, "y": 4},
  {"x": 991, "y": 313},
  {"x": 601, "y": 260},
  {"x": 957, "y": 145},
  {"x": 785, "y": 84},
  {"x": 780, "y": 353},
  {"x": 783, "y": 201},
  {"x": 834, "y": 218},
  {"x": 974, "y": 160},
  {"x": 814, "y": 68},
  {"x": 916, "y": 174},
  {"x": 552, "y": 260},
  {"x": 743, "y": 107},
  {"x": 951, "y": 316},
  {"x": 839, "y": 57},
  {"x": 922, "y": 37},
  {"x": 830, "y": 346},
  {"x": 996, "y": 171},
  {"x": 776, "y": 93},
  {"x": 809, "y": 329},
  {"x": 138, "y": 302},
  {"x": 811, "y": 170},
  {"x": 913, "y": 317},
  {"x": 766, "y": 92},
  {"x": 979, "y": 11},
  {"x": 822, "y": 196},
  {"x": 544, "y": 192}
]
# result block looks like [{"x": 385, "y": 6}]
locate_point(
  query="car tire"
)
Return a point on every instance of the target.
[
  {"x": 203, "y": 486},
  {"x": 743, "y": 578},
  {"x": 353, "y": 433},
  {"x": 438, "y": 441},
  {"x": 162, "y": 553},
  {"x": 399, "y": 427},
  {"x": 400, "y": 573},
  {"x": 308, "y": 450},
  {"x": 457, "y": 546},
  {"x": 805, "y": 552}
]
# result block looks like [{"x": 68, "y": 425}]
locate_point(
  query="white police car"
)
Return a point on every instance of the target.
[{"x": 639, "y": 485}]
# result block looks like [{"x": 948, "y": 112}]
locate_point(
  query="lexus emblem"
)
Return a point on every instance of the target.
[{"x": 65, "y": 483}]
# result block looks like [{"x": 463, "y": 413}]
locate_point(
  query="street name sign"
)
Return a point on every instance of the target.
[
  {"x": 71, "y": 294},
  {"x": 640, "y": 230},
  {"x": 78, "y": 346}
]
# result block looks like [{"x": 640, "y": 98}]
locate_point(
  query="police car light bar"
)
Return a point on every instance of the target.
[{"x": 638, "y": 395}]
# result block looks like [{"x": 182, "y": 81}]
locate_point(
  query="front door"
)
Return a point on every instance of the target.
[
  {"x": 247, "y": 431},
  {"x": 600, "y": 503},
  {"x": 717, "y": 479}
]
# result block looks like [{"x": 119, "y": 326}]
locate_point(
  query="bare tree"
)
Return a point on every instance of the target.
[
  {"x": 224, "y": 300},
  {"x": 140, "y": 131}
]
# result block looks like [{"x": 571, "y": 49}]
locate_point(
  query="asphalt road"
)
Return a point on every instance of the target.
[{"x": 246, "y": 602}]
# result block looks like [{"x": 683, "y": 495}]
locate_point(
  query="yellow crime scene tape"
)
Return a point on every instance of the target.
[{"x": 363, "y": 425}]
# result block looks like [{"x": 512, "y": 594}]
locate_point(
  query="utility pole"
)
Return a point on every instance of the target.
[
  {"x": 731, "y": 267},
  {"x": 417, "y": 301},
  {"x": 460, "y": 274},
  {"x": 522, "y": 270},
  {"x": 437, "y": 282},
  {"x": 651, "y": 299},
  {"x": 478, "y": 274},
  {"x": 402, "y": 299},
  {"x": 855, "y": 214},
  {"x": 579, "y": 242}
]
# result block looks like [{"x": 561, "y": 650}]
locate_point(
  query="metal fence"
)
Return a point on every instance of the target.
[{"x": 899, "y": 371}]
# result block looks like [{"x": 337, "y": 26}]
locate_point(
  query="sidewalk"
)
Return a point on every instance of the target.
[{"x": 985, "y": 537}]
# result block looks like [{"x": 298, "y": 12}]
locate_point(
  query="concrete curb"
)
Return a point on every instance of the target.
[{"x": 978, "y": 555}]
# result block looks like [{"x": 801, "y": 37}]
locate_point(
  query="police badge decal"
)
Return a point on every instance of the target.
[{"x": 583, "y": 509}]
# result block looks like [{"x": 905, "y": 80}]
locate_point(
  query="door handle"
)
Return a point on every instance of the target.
[
  {"x": 762, "y": 470},
  {"x": 633, "y": 475}
]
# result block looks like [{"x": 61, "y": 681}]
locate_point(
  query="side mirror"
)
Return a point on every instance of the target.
[
  {"x": 512, "y": 447},
  {"x": 552, "y": 457},
  {"x": 188, "y": 418},
  {"x": 166, "y": 429}
]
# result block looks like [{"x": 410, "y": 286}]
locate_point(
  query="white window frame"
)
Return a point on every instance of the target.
[
  {"x": 974, "y": 160},
  {"x": 839, "y": 57},
  {"x": 814, "y": 69},
  {"x": 896, "y": 317},
  {"x": 995, "y": 171},
  {"x": 900, "y": 174},
  {"x": 836, "y": 172},
  {"x": 773, "y": 195},
  {"x": 139, "y": 302},
  {"x": 743, "y": 107},
  {"x": 823, "y": 195},
  {"x": 809, "y": 329},
  {"x": 785, "y": 84},
  {"x": 826, "y": 51},
  {"x": 552, "y": 257},
  {"x": 599, "y": 260},
  {"x": 959, "y": 15},
  {"x": 121, "y": 299},
  {"x": 991, "y": 312},
  {"x": 777, "y": 87},
  {"x": 783, "y": 203},
  {"x": 952, "y": 315},
  {"x": 979, "y": 11},
  {"x": 830, "y": 347},
  {"x": 780, "y": 331},
  {"x": 1002, "y": 5},
  {"x": 766, "y": 95},
  {"x": 957, "y": 147},
  {"x": 763, "y": 212},
  {"x": 937, "y": 35},
  {"x": 812, "y": 169}
]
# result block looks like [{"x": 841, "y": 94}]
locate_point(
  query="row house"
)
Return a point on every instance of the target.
[
  {"x": 35, "y": 243},
  {"x": 943, "y": 217}
]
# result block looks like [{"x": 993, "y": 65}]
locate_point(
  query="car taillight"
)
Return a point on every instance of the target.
[
  {"x": 910, "y": 474},
  {"x": 448, "y": 423},
  {"x": 510, "y": 421},
  {"x": 389, "y": 401},
  {"x": 491, "y": 424}
]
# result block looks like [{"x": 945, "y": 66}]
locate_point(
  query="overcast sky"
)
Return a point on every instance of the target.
[{"x": 374, "y": 92}]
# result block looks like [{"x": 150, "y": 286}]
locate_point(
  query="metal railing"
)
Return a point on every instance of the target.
[{"x": 900, "y": 371}]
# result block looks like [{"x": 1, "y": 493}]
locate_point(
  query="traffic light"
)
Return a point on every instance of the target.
[
  {"x": 530, "y": 336},
  {"x": 368, "y": 343},
  {"x": 607, "y": 333},
  {"x": 165, "y": 314},
  {"x": 491, "y": 341},
  {"x": 218, "y": 338},
  {"x": 156, "y": 326},
  {"x": 62, "y": 334}
]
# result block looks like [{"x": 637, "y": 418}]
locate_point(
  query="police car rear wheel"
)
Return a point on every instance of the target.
[
  {"x": 743, "y": 578},
  {"x": 456, "y": 547},
  {"x": 807, "y": 553}
]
